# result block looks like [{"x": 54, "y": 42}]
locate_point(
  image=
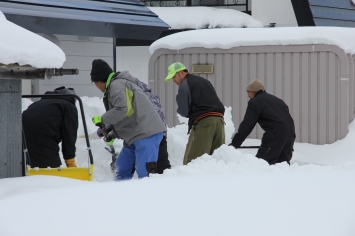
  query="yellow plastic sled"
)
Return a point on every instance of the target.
[{"x": 80, "y": 173}]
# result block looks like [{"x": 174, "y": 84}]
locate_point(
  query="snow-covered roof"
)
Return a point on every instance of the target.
[
  {"x": 205, "y": 17},
  {"x": 18, "y": 45},
  {"x": 229, "y": 38}
]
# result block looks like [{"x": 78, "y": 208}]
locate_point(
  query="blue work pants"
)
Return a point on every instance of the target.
[{"x": 141, "y": 155}]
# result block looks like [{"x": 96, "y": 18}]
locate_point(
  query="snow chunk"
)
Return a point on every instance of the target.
[{"x": 205, "y": 17}]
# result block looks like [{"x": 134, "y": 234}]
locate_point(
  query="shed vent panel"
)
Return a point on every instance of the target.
[{"x": 202, "y": 69}]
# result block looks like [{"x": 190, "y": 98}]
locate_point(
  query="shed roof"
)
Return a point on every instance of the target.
[
  {"x": 126, "y": 19},
  {"x": 324, "y": 12},
  {"x": 235, "y": 37}
]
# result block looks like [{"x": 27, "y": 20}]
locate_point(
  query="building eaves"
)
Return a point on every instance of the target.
[{"x": 115, "y": 19}]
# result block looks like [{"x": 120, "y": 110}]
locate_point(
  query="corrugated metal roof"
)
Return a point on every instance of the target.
[
  {"x": 324, "y": 12},
  {"x": 126, "y": 19}
]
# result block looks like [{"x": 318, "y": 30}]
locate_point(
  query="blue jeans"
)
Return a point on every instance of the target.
[{"x": 141, "y": 155}]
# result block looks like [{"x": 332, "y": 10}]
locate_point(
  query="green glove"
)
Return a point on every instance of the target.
[
  {"x": 97, "y": 120},
  {"x": 109, "y": 141}
]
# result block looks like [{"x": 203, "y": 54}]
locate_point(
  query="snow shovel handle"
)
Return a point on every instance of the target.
[{"x": 249, "y": 147}]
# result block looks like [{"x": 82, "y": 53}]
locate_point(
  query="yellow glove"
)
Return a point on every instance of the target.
[{"x": 70, "y": 162}]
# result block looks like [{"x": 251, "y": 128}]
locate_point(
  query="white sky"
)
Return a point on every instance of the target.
[
  {"x": 205, "y": 17},
  {"x": 229, "y": 193},
  {"x": 18, "y": 45},
  {"x": 229, "y": 38}
]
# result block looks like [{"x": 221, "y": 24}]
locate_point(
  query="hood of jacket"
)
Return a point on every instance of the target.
[{"x": 125, "y": 75}]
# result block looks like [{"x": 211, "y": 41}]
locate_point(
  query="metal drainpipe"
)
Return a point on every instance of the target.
[{"x": 114, "y": 54}]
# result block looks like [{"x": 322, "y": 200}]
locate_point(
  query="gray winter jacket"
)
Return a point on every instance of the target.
[{"x": 129, "y": 110}]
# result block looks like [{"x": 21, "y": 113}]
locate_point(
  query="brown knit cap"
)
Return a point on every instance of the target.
[{"x": 255, "y": 86}]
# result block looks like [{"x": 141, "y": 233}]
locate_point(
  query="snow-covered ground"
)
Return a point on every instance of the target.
[{"x": 229, "y": 193}]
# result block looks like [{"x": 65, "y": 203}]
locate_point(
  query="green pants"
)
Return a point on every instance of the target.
[{"x": 205, "y": 136}]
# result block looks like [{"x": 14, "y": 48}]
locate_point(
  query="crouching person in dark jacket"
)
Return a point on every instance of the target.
[
  {"x": 48, "y": 122},
  {"x": 132, "y": 117},
  {"x": 273, "y": 116}
]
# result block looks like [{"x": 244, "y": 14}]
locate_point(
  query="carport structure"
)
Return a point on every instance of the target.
[{"x": 128, "y": 19}]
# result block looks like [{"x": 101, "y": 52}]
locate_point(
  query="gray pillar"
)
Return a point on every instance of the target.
[{"x": 10, "y": 128}]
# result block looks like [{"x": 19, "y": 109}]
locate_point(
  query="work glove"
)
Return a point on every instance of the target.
[
  {"x": 70, "y": 162},
  {"x": 109, "y": 141},
  {"x": 99, "y": 130},
  {"x": 97, "y": 120}
]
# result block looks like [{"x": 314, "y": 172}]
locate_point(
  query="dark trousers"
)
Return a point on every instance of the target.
[
  {"x": 278, "y": 150},
  {"x": 163, "y": 157}
]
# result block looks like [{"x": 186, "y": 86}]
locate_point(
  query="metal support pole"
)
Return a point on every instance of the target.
[
  {"x": 10, "y": 128},
  {"x": 114, "y": 54}
]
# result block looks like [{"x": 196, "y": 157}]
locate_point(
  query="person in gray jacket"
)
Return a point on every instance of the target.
[{"x": 132, "y": 117}]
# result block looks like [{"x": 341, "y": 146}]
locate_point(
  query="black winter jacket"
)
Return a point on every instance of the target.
[
  {"x": 46, "y": 123},
  {"x": 197, "y": 96},
  {"x": 273, "y": 116}
]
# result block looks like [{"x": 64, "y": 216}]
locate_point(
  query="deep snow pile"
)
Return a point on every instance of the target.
[{"x": 337, "y": 156}]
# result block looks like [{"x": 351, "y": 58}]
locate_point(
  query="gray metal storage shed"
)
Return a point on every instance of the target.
[{"x": 316, "y": 82}]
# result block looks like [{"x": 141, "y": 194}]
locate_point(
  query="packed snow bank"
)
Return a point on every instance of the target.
[
  {"x": 229, "y": 38},
  {"x": 18, "y": 45},
  {"x": 205, "y": 17},
  {"x": 309, "y": 202}
]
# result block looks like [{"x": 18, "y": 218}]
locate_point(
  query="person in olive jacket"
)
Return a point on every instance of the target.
[
  {"x": 274, "y": 117},
  {"x": 198, "y": 101}
]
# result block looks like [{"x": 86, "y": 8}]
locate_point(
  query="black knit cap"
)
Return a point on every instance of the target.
[{"x": 100, "y": 70}]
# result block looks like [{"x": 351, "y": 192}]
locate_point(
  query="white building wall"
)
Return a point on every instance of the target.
[
  {"x": 274, "y": 11},
  {"x": 26, "y": 86},
  {"x": 135, "y": 60},
  {"x": 80, "y": 51}
]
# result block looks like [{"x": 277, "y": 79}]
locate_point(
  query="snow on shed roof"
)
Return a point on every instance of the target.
[
  {"x": 205, "y": 17},
  {"x": 229, "y": 38},
  {"x": 18, "y": 45}
]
